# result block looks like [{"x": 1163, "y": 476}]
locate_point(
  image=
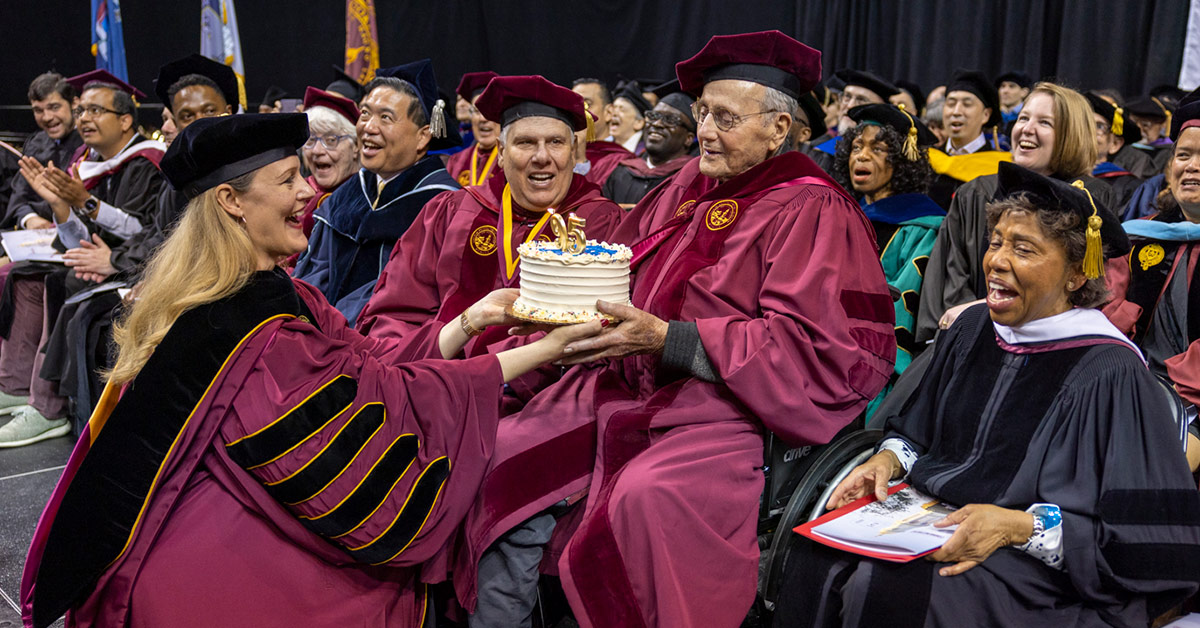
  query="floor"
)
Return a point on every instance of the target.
[{"x": 27, "y": 476}]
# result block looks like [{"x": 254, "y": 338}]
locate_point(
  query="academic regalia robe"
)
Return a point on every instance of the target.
[
  {"x": 823, "y": 151},
  {"x": 1122, "y": 182},
  {"x": 906, "y": 227},
  {"x": 1135, "y": 161},
  {"x": 634, "y": 178},
  {"x": 1079, "y": 423},
  {"x": 355, "y": 231},
  {"x": 955, "y": 271},
  {"x": 487, "y": 165},
  {"x": 269, "y": 466},
  {"x": 952, "y": 171},
  {"x": 604, "y": 157},
  {"x": 1159, "y": 151},
  {"x": 453, "y": 256},
  {"x": 1156, "y": 299},
  {"x": 1144, "y": 201},
  {"x": 777, "y": 268},
  {"x": 131, "y": 186},
  {"x": 24, "y": 200}
]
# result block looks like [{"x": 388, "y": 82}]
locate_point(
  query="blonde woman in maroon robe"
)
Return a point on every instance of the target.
[
  {"x": 254, "y": 461},
  {"x": 758, "y": 304}
]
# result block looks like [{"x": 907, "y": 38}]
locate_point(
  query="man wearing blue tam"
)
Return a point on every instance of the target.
[{"x": 402, "y": 119}]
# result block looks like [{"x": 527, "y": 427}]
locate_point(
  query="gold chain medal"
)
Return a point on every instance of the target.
[{"x": 721, "y": 214}]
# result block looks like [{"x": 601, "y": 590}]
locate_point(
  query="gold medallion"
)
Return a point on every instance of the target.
[
  {"x": 483, "y": 240},
  {"x": 1150, "y": 255},
  {"x": 464, "y": 178},
  {"x": 721, "y": 214},
  {"x": 683, "y": 209}
]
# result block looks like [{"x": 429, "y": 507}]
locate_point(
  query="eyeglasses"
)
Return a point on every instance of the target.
[
  {"x": 666, "y": 119},
  {"x": 330, "y": 142},
  {"x": 94, "y": 111},
  {"x": 723, "y": 118}
]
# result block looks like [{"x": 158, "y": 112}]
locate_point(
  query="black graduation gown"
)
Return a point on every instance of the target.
[
  {"x": 1079, "y": 423},
  {"x": 955, "y": 272},
  {"x": 24, "y": 200}
]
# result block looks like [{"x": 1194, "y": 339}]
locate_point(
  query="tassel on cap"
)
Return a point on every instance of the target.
[
  {"x": 1118, "y": 123},
  {"x": 1166, "y": 112},
  {"x": 437, "y": 119},
  {"x": 996, "y": 137},
  {"x": 591, "y": 124},
  {"x": 911, "y": 152},
  {"x": 1093, "y": 256}
]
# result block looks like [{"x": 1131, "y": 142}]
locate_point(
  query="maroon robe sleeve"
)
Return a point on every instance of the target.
[
  {"x": 408, "y": 295},
  {"x": 1121, "y": 313},
  {"x": 823, "y": 345},
  {"x": 380, "y": 460}
]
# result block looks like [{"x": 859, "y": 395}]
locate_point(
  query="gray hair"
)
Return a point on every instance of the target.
[
  {"x": 775, "y": 100},
  {"x": 326, "y": 121},
  {"x": 122, "y": 101},
  {"x": 933, "y": 113}
]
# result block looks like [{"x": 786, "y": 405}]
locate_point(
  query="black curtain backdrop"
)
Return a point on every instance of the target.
[{"x": 1128, "y": 45}]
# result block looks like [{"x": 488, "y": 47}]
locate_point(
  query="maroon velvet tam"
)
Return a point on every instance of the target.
[
  {"x": 472, "y": 84},
  {"x": 510, "y": 98},
  {"x": 103, "y": 76},
  {"x": 769, "y": 58},
  {"x": 314, "y": 97}
]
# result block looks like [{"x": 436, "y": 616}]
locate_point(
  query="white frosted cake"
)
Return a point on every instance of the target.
[{"x": 561, "y": 287}]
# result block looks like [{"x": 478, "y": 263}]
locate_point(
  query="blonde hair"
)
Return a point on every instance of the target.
[
  {"x": 1074, "y": 153},
  {"x": 207, "y": 258}
]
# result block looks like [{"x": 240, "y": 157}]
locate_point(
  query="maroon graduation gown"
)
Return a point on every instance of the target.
[
  {"x": 453, "y": 256},
  {"x": 459, "y": 165},
  {"x": 605, "y": 157},
  {"x": 778, "y": 269},
  {"x": 314, "y": 473}
]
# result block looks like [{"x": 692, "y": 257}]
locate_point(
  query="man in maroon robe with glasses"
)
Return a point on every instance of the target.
[{"x": 758, "y": 304}]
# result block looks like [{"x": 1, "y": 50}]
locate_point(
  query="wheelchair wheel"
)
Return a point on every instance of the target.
[{"x": 808, "y": 500}]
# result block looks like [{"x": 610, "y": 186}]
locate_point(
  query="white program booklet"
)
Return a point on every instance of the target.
[
  {"x": 35, "y": 245},
  {"x": 902, "y": 525}
]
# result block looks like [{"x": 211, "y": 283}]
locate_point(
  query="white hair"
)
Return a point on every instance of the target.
[
  {"x": 326, "y": 121},
  {"x": 775, "y": 100}
]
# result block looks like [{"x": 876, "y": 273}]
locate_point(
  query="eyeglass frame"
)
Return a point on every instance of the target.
[
  {"x": 738, "y": 118},
  {"x": 651, "y": 116},
  {"x": 312, "y": 140},
  {"x": 94, "y": 111},
  {"x": 854, "y": 100}
]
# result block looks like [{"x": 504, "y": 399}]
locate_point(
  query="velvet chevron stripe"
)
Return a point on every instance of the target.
[
  {"x": 333, "y": 460},
  {"x": 298, "y": 425}
]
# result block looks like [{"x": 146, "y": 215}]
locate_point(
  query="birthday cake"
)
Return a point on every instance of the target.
[{"x": 562, "y": 287}]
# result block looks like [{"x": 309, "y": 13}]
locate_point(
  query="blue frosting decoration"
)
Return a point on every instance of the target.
[{"x": 591, "y": 249}]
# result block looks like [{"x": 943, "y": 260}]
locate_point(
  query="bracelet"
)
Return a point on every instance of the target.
[{"x": 470, "y": 331}]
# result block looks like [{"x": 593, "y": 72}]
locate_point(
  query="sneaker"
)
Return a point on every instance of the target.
[
  {"x": 9, "y": 404},
  {"x": 28, "y": 426}
]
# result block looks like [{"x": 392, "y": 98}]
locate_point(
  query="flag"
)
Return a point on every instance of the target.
[
  {"x": 362, "y": 40},
  {"x": 219, "y": 39},
  {"x": 108, "y": 42}
]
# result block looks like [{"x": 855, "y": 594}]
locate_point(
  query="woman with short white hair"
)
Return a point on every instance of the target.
[{"x": 331, "y": 152}]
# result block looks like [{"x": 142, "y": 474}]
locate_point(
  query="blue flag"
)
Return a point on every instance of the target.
[{"x": 108, "y": 40}]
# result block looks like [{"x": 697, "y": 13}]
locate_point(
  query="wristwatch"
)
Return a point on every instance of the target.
[{"x": 89, "y": 207}]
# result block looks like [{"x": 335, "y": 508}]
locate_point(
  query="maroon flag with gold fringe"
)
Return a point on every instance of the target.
[{"x": 362, "y": 40}]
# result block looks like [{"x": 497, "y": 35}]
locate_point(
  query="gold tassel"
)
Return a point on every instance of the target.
[
  {"x": 911, "y": 152},
  {"x": 591, "y": 126},
  {"x": 996, "y": 137},
  {"x": 437, "y": 119},
  {"x": 1118, "y": 123},
  {"x": 1166, "y": 112},
  {"x": 1093, "y": 255}
]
